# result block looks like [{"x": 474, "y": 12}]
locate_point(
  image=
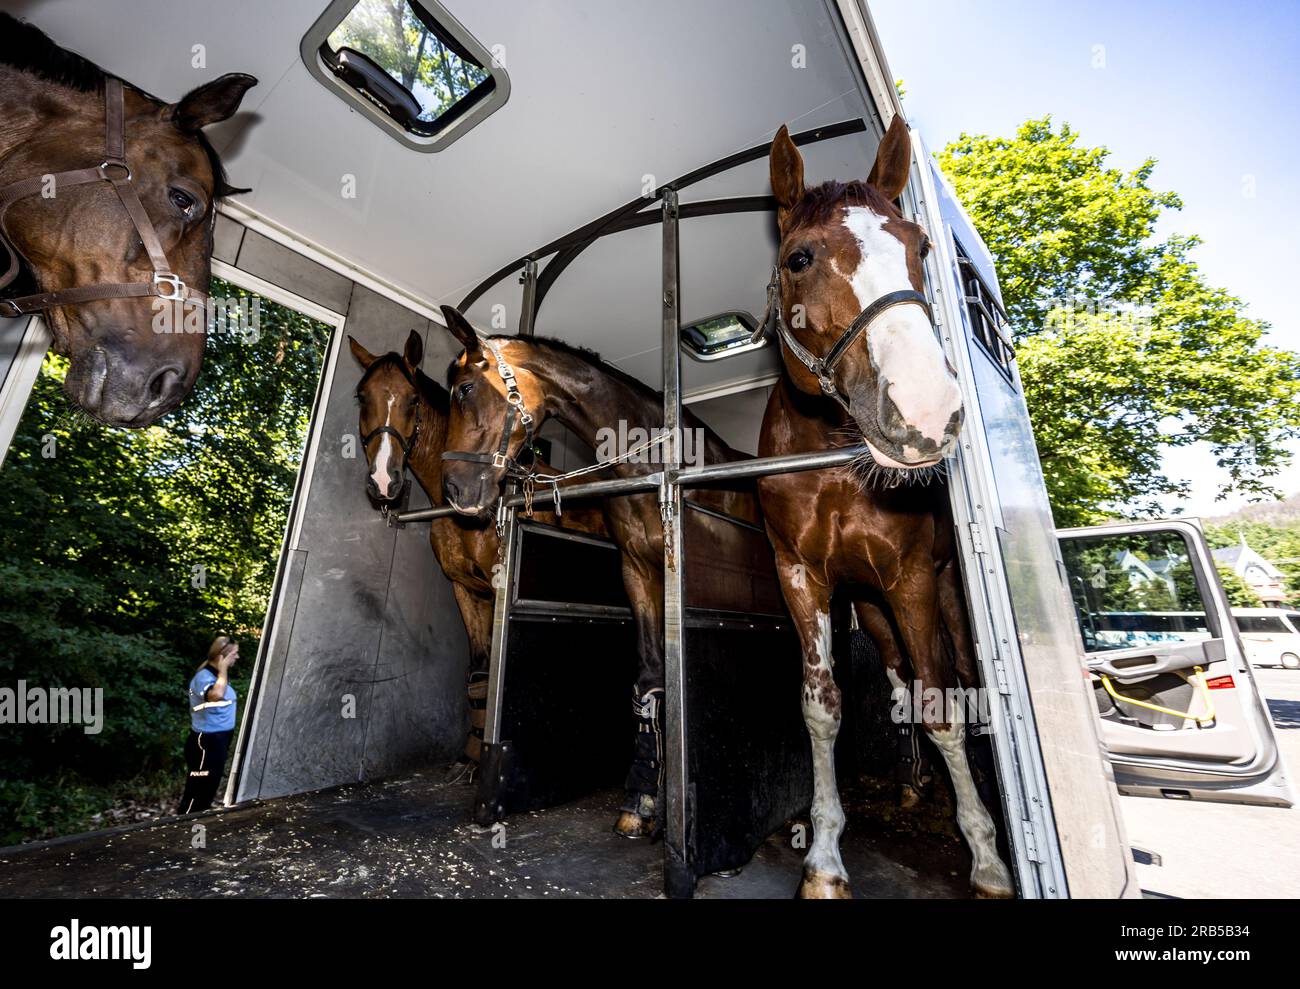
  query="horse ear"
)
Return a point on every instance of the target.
[
  {"x": 787, "y": 173},
  {"x": 414, "y": 352},
  {"x": 364, "y": 357},
  {"x": 212, "y": 102},
  {"x": 893, "y": 160},
  {"x": 459, "y": 327}
]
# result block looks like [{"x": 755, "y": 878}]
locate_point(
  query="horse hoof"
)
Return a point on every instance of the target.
[
  {"x": 993, "y": 883},
  {"x": 908, "y": 798},
  {"x": 630, "y": 825},
  {"x": 824, "y": 886}
]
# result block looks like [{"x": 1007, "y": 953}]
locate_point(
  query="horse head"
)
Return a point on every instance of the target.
[
  {"x": 854, "y": 321},
  {"x": 134, "y": 357},
  {"x": 390, "y": 415},
  {"x": 496, "y": 409}
]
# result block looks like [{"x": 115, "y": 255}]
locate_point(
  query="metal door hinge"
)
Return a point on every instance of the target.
[{"x": 1031, "y": 842}]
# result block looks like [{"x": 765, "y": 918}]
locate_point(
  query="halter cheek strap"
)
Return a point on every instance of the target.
[
  {"x": 115, "y": 171},
  {"x": 515, "y": 410},
  {"x": 823, "y": 368}
]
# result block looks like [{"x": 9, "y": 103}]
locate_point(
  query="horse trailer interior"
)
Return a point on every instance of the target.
[{"x": 607, "y": 200}]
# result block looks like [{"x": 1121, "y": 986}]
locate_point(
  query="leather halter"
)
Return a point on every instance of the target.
[
  {"x": 404, "y": 443},
  {"x": 823, "y": 367},
  {"x": 114, "y": 170},
  {"x": 514, "y": 410}
]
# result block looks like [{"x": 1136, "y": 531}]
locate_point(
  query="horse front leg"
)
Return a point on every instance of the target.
[
  {"x": 476, "y": 613},
  {"x": 809, "y": 602},
  {"x": 640, "y": 816},
  {"x": 914, "y": 599}
]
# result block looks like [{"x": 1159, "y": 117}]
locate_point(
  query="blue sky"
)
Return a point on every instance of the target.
[{"x": 1208, "y": 89}]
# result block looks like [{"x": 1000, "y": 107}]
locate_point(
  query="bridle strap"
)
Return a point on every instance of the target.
[
  {"x": 822, "y": 368},
  {"x": 115, "y": 171},
  {"x": 514, "y": 410}
]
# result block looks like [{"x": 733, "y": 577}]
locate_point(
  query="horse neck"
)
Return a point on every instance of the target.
[
  {"x": 588, "y": 399},
  {"x": 425, "y": 460}
]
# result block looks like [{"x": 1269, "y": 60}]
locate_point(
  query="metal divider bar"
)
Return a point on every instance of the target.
[
  {"x": 679, "y": 869},
  {"x": 686, "y": 477}
]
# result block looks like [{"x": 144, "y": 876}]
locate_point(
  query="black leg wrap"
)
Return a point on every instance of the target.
[{"x": 645, "y": 777}]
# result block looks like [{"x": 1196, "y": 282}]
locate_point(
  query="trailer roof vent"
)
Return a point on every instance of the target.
[
  {"x": 409, "y": 66},
  {"x": 723, "y": 335}
]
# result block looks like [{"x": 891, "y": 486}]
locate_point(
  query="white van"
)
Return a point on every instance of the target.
[{"x": 1271, "y": 636}]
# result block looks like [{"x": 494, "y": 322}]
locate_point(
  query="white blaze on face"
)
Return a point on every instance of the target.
[
  {"x": 384, "y": 456},
  {"x": 901, "y": 342}
]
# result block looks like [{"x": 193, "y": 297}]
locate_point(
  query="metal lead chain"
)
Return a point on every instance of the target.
[{"x": 666, "y": 518}]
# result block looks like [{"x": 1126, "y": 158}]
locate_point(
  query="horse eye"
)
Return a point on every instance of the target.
[
  {"x": 463, "y": 391},
  {"x": 799, "y": 261},
  {"x": 182, "y": 200}
]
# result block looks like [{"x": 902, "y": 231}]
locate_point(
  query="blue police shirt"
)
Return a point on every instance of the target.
[{"x": 206, "y": 715}]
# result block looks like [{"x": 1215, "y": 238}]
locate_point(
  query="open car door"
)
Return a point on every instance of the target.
[{"x": 1181, "y": 714}]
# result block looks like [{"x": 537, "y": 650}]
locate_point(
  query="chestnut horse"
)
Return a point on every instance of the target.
[
  {"x": 862, "y": 360},
  {"x": 504, "y": 386},
  {"x": 107, "y": 203},
  {"x": 403, "y": 422}
]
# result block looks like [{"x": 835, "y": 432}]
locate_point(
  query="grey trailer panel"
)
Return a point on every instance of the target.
[
  {"x": 362, "y": 672},
  {"x": 1026, "y": 628}
]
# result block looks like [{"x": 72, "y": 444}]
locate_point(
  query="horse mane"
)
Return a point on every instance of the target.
[
  {"x": 820, "y": 203},
  {"x": 591, "y": 357},
  {"x": 434, "y": 393},
  {"x": 28, "y": 49}
]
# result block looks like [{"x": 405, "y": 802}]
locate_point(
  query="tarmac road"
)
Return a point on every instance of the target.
[{"x": 1227, "y": 850}]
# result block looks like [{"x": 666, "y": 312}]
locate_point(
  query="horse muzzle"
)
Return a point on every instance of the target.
[{"x": 116, "y": 392}]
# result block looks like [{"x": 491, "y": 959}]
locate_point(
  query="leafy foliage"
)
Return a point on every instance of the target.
[
  {"x": 123, "y": 552},
  {"x": 1125, "y": 350}
]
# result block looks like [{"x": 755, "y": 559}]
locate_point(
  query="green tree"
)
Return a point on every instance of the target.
[
  {"x": 1240, "y": 594},
  {"x": 1125, "y": 350},
  {"x": 122, "y": 552}
]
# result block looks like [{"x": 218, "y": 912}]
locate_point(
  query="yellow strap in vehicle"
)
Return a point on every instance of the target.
[{"x": 1198, "y": 677}]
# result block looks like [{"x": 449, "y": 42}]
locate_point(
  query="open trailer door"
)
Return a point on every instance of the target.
[{"x": 1180, "y": 711}]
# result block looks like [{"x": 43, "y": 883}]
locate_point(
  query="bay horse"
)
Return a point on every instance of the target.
[
  {"x": 505, "y": 387},
  {"x": 107, "y": 204},
  {"x": 863, "y": 363},
  {"x": 402, "y": 417}
]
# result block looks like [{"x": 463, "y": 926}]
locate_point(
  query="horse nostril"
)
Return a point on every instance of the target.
[
  {"x": 450, "y": 489},
  {"x": 163, "y": 384}
]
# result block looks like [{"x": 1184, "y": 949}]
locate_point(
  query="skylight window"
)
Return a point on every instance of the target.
[
  {"x": 720, "y": 336},
  {"x": 409, "y": 66}
]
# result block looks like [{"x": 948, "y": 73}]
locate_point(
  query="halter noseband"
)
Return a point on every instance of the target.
[
  {"x": 514, "y": 410},
  {"x": 115, "y": 171},
  {"x": 823, "y": 367}
]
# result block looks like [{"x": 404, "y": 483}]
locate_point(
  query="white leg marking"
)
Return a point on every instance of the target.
[
  {"x": 988, "y": 872},
  {"x": 823, "y": 725},
  {"x": 901, "y": 341}
]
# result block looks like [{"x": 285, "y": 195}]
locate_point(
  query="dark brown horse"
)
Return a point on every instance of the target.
[
  {"x": 403, "y": 422},
  {"x": 107, "y": 203},
  {"x": 862, "y": 360},
  {"x": 553, "y": 379}
]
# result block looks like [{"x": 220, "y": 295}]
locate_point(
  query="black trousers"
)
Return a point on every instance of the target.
[{"x": 205, "y": 754}]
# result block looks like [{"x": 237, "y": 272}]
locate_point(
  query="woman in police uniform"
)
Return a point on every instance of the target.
[{"x": 212, "y": 724}]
